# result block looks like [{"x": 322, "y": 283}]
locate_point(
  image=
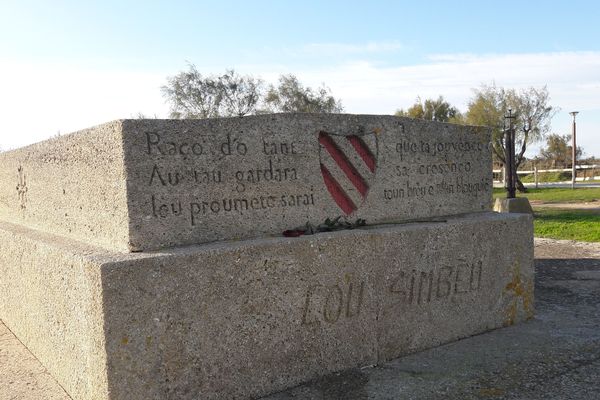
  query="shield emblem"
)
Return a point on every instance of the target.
[{"x": 348, "y": 166}]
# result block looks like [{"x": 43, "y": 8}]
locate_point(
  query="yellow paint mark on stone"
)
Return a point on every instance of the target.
[
  {"x": 347, "y": 277},
  {"x": 521, "y": 292},
  {"x": 491, "y": 392},
  {"x": 124, "y": 340}
]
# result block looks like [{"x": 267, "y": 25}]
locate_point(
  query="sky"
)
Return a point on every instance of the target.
[{"x": 69, "y": 65}]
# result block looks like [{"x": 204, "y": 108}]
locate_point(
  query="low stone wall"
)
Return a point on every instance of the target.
[{"x": 242, "y": 319}]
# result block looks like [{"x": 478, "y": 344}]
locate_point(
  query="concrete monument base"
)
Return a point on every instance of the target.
[
  {"x": 516, "y": 205},
  {"x": 237, "y": 320}
]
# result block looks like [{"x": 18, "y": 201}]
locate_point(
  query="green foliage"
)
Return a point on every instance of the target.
[
  {"x": 329, "y": 225},
  {"x": 554, "y": 223},
  {"x": 192, "y": 95},
  {"x": 547, "y": 177},
  {"x": 291, "y": 96},
  {"x": 558, "y": 150},
  {"x": 530, "y": 106},
  {"x": 336, "y": 224},
  {"x": 581, "y": 225},
  {"x": 141, "y": 115},
  {"x": 557, "y": 195},
  {"x": 240, "y": 95},
  {"x": 432, "y": 110}
]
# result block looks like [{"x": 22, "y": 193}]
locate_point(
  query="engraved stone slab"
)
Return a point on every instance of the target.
[
  {"x": 73, "y": 185},
  {"x": 241, "y": 320},
  {"x": 195, "y": 181}
]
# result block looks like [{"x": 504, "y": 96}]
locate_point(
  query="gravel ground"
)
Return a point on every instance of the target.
[
  {"x": 554, "y": 356},
  {"x": 593, "y": 205}
]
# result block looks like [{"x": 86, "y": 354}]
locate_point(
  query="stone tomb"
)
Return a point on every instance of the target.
[
  {"x": 150, "y": 184},
  {"x": 244, "y": 318}
]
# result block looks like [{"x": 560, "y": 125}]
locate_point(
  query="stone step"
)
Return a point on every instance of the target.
[{"x": 243, "y": 319}]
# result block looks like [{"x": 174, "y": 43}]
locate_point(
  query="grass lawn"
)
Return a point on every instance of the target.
[
  {"x": 556, "y": 223},
  {"x": 582, "y": 225},
  {"x": 556, "y": 195},
  {"x": 548, "y": 177}
]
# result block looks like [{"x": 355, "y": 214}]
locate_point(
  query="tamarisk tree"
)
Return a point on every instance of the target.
[{"x": 533, "y": 113}]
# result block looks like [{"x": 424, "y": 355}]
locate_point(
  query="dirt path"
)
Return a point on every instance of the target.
[
  {"x": 565, "y": 249},
  {"x": 592, "y": 205}
]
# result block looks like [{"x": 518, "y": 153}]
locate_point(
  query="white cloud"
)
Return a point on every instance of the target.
[
  {"x": 330, "y": 52},
  {"x": 329, "y": 49},
  {"x": 38, "y": 101},
  {"x": 572, "y": 78}
]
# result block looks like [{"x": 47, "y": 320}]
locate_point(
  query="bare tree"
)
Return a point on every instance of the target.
[
  {"x": 240, "y": 95},
  {"x": 432, "y": 110},
  {"x": 291, "y": 96},
  {"x": 558, "y": 150},
  {"x": 192, "y": 95},
  {"x": 533, "y": 115}
]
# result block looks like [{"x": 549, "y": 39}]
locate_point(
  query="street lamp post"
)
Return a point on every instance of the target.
[
  {"x": 509, "y": 156},
  {"x": 574, "y": 150}
]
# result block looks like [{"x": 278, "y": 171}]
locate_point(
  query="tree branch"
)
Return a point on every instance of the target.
[
  {"x": 520, "y": 157},
  {"x": 499, "y": 154}
]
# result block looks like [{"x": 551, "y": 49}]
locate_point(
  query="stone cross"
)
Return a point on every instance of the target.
[{"x": 21, "y": 187}]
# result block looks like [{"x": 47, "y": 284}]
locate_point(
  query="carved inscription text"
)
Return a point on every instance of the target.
[
  {"x": 22, "y": 188},
  {"x": 420, "y": 287},
  {"x": 330, "y": 303}
]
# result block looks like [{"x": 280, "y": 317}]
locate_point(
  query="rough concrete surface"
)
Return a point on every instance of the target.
[
  {"x": 22, "y": 376},
  {"x": 150, "y": 184},
  {"x": 264, "y": 174},
  {"x": 554, "y": 356},
  {"x": 72, "y": 185},
  {"x": 52, "y": 301},
  {"x": 516, "y": 205},
  {"x": 243, "y": 319}
]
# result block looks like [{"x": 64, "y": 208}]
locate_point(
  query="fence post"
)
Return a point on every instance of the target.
[
  {"x": 504, "y": 175},
  {"x": 535, "y": 176}
]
